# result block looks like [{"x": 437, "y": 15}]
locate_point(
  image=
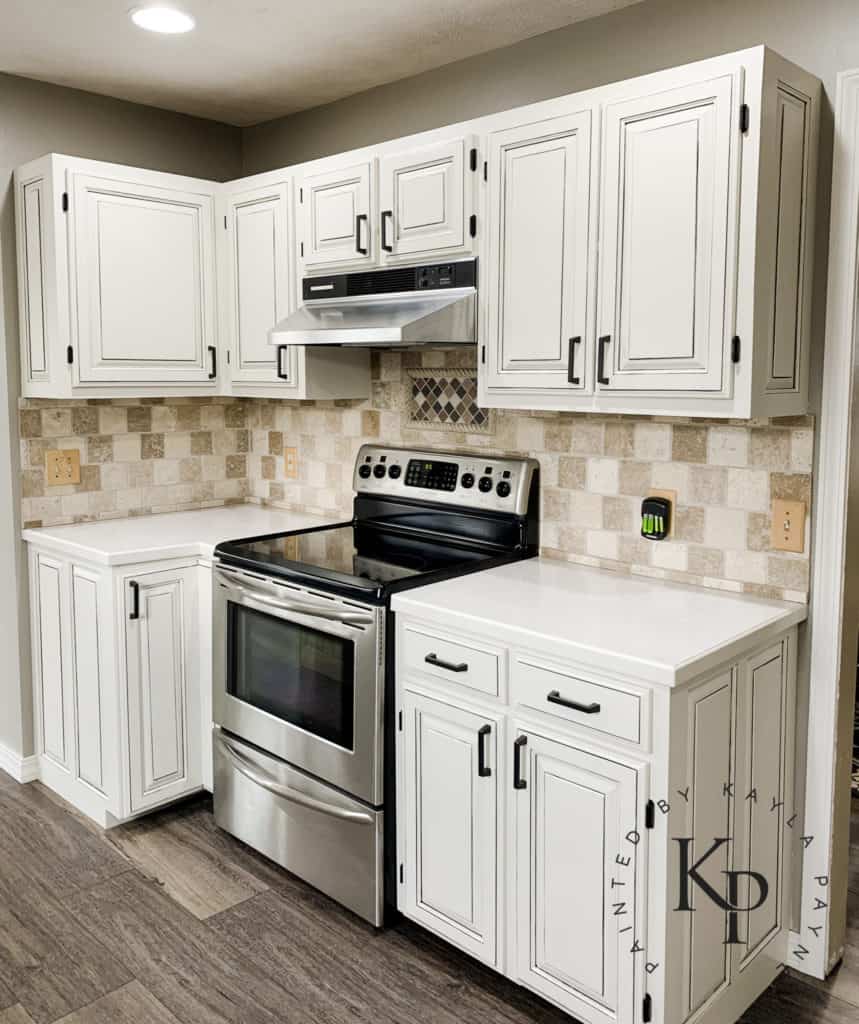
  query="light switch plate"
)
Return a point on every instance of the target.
[
  {"x": 788, "y": 526},
  {"x": 62, "y": 466},
  {"x": 669, "y": 496},
  {"x": 290, "y": 463}
]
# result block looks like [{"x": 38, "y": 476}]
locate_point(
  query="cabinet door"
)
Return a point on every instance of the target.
[
  {"x": 422, "y": 199},
  {"x": 142, "y": 262},
  {"x": 669, "y": 207},
  {"x": 573, "y": 811},
  {"x": 163, "y": 719},
  {"x": 52, "y": 670},
  {"x": 257, "y": 289},
  {"x": 451, "y": 813},
  {"x": 337, "y": 222},
  {"x": 540, "y": 183}
]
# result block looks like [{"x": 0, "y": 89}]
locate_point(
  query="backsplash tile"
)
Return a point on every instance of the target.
[{"x": 140, "y": 456}]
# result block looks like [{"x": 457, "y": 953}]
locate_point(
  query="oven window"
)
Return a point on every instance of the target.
[{"x": 304, "y": 676}]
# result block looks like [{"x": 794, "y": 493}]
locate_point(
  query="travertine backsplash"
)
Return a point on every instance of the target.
[{"x": 165, "y": 454}]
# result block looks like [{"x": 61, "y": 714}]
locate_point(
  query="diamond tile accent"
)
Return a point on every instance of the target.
[{"x": 446, "y": 399}]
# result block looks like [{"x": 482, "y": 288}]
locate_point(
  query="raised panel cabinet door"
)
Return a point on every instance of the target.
[
  {"x": 258, "y": 285},
  {"x": 52, "y": 671},
  {"x": 163, "y": 721},
  {"x": 575, "y": 904},
  {"x": 142, "y": 262},
  {"x": 451, "y": 812},
  {"x": 668, "y": 231},
  {"x": 337, "y": 216},
  {"x": 539, "y": 197},
  {"x": 422, "y": 199}
]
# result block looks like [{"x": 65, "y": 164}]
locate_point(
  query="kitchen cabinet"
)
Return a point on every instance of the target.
[
  {"x": 161, "y": 664},
  {"x": 258, "y": 287},
  {"x": 119, "y": 665},
  {"x": 338, "y": 205},
  {"x": 451, "y": 813},
  {"x": 612, "y": 750},
  {"x": 117, "y": 285},
  {"x": 539, "y": 253}
]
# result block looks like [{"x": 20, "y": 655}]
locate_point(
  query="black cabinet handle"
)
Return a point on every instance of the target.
[
  {"x": 601, "y": 377},
  {"x": 135, "y": 600},
  {"x": 483, "y": 769},
  {"x": 213, "y": 356},
  {"x": 358, "y": 219},
  {"x": 280, "y": 350},
  {"x": 385, "y": 244},
  {"x": 571, "y": 361},
  {"x": 518, "y": 744},
  {"x": 588, "y": 709},
  {"x": 434, "y": 659}
]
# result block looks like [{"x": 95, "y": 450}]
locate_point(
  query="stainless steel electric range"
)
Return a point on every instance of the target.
[{"x": 303, "y": 658}]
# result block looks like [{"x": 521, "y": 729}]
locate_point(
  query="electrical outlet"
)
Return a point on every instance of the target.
[
  {"x": 290, "y": 463},
  {"x": 669, "y": 496},
  {"x": 788, "y": 526},
  {"x": 62, "y": 466}
]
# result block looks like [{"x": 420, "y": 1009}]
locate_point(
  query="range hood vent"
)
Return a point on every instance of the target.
[{"x": 401, "y": 307}]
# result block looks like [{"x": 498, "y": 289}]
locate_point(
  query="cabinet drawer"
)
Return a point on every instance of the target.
[
  {"x": 453, "y": 661},
  {"x": 562, "y": 693}
]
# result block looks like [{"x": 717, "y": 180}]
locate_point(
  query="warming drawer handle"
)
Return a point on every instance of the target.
[
  {"x": 434, "y": 660},
  {"x": 483, "y": 769},
  {"x": 518, "y": 744},
  {"x": 386, "y": 245},
  {"x": 588, "y": 709},
  {"x": 250, "y": 771}
]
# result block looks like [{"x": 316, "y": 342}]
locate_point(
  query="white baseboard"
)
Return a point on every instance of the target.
[{"x": 22, "y": 769}]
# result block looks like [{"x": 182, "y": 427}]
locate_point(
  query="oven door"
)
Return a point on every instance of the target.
[{"x": 300, "y": 675}]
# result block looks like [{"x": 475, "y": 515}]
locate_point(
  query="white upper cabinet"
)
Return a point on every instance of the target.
[
  {"x": 536, "y": 282},
  {"x": 668, "y": 227},
  {"x": 337, "y": 206},
  {"x": 423, "y": 196}
]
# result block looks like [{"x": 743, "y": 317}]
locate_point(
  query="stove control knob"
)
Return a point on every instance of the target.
[
  {"x": 364, "y": 471},
  {"x": 485, "y": 484},
  {"x": 467, "y": 480},
  {"x": 378, "y": 471},
  {"x": 394, "y": 471},
  {"x": 502, "y": 489}
]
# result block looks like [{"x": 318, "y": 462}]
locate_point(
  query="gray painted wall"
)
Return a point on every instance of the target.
[{"x": 36, "y": 118}]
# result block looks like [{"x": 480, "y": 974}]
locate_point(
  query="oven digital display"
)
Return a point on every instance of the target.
[{"x": 435, "y": 476}]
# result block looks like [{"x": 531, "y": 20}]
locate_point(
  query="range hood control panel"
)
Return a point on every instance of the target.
[{"x": 428, "y": 277}]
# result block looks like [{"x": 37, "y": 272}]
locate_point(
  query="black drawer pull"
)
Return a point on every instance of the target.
[
  {"x": 280, "y": 351},
  {"x": 213, "y": 356},
  {"x": 386, "y": 215},
  {"x": 571, "y": 362},
  {"x": 588, "y": 709},
  {"x": 601, "y": 377},
  {"x": 434, "y": 659},
  {"x": 364, "y": 250},
  {"x": 135, "y": 600},
  {"x": 483, "y": 769},
  {"x": 518, "y": 744}
]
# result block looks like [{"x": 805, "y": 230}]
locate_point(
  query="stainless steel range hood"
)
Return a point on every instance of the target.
[{"x": 403, "y": 306}]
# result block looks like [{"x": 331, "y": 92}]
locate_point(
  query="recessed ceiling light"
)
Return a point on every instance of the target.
[{"x": 162, "y": 19}]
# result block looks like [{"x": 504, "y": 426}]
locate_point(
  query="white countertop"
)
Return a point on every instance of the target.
[
  {"x": 644, "y": 628},
  {"x": 169, "y": 534}
]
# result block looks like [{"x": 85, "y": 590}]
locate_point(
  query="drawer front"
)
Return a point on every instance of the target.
[
  {"x": 562, "y": 693},
  {"x": 452, "y": 661}
]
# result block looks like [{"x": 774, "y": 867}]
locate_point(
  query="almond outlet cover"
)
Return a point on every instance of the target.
[
  {"x": 788, "y": 526},
  {"x": 62, "y": 466}
]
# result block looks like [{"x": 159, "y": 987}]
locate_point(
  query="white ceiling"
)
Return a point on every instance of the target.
[{"x": 251, "y": 60}]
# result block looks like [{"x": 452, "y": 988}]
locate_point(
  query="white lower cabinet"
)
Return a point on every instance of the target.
[
  {"x": 452, "y": 797},
  {"x": 117, "y": 679},
  {"x": 541, "y": 830}
]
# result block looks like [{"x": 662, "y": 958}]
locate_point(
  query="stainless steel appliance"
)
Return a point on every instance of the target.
[
  {"x": 304, "y": 653},
  {"x": 432, "y": 304}
]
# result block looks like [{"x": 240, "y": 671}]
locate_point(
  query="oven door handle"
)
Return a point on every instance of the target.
[
  {"x": 350, "y": 618},
  {"x": 250, "y": 771}
]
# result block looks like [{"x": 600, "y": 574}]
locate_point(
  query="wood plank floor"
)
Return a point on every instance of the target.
[{"x": 171, "y": 921}]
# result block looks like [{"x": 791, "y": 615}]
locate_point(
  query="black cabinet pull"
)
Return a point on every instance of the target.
[
  {"x": 434, "y": 659},
  {"x": 601, "y": 377},
  {"x": 358, "y": 219},
  {"x": 483, "y": 769},
  {"x": 518, "y": 744},
  {"x": 135, "y": 600},
  {"x": 571, "y": 361},
  {"x": 213, "y": 356},
  {"x": 588, "y": 709},
  {"x": 280, "y": 350},
  {"x": 385, "y": 243}
]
